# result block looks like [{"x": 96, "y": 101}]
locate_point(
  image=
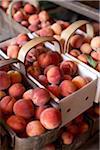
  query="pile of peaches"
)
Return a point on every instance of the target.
[{"x": 25, "y": 110}]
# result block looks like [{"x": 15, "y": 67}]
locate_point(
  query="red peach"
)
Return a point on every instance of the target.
[
  {"x": 18, "y": 16},
  {"x": 75, "y": 52},
  {"x": 73, "y": 129},
  {"x": 22, "y": 39},
  {"x": 67, "y": 137},
  {"x": 24, "y": 108},
  {"x": 12, "y": 51},
  {"x": 86, "y": 48},
  {"x": 2, "y": 94},
  {"x": 34, "y": 128},
  {"x": 33, "y": 28},
  {"x": 5, "y": 3},
  {"x": 47, "y": 68},
  {"x": 39, "y": 110},
  {"x": 16, "y": 123},
  {"x": 50, "y": 118},
  {"x": 43, "y": 16},
  {"x": 57, "y": 29},
  {"x": 28, "y": 94},
  {"x": 40, "y": 96},
  {"x": 76, "y": 41},
  {"x": 17, "y": 5},
  {"x": 43, "y": 80},
  {"x": 47, "y": 31},
  {"x": 6, "y": 104},
  {"x": 79, "y": 81},
  {"x": 34, "y": 19},
  {"x": 49, "y": 147},
  {"x": 45, "y": 24},
  {"x": 28, "y": 8},
  {"x": 16, "y": 90},
  {"x": 67, "y": 87},
  {"x": 95, "y": 43},
  {"x": 95, "y": 55},
  {"x": 24, "y": 23},
  {"x": 4, "y": 80},
  {"x": 83, "y": 58},
  {"x": 67, "y": 77},
  {"x": 54, "y": 89},
  {"x": 54, "y": 75},
  {"x": 34, "y": 71}
]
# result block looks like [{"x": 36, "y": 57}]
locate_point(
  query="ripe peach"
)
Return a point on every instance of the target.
[
  {"x": 86, "y": 48},
  {"x": 24, "y": 108},
  {"x": 67, "y": 137},
  {"x": 50, "y": 118},
  {"x": 34, "y": 19},
  {"x": 2, "y": 94},
  {"x": 35, "y": 128},
  {"x": 5, "y": 4},
  {"x": 57, "y": 29},
  {"x": 74, "y": 52},
  {"x": 28, "y": 94},
  {"x": 22, "y": 39},
  {"x": 17, "y": 5},
  {"x": 39, "y": 110},
  {"x": 67, "y": 77},
  {"x": 73, "y": 129},
  {"x": 43, "y": 80},
  {"x": 15, "y": 76},
  {"x": 54, "y": 89},
  {"x": 28, "y": 8},
  {"x": 47, "y": 68},
  {"x": 16, "y": 90},
  {"x": 79, "y": 81},
  {"x": 6, "y": 104},
  {"x": 97, "y": 110},
  {"x": 45, "y": 24},
  {"x": 83, "y": 58},
  {"x": 34, "y": 71},
  {"x": 95, "y": 43},
  {"x": 95, "y": 55},
  {"x": 18, "y": 16},
  {"x": 43, "y": 16},
  {"x": 83, "y": 127},
  {"x": 47, "y": 31},
  {"x": 40, "y": 96},
  {"x": 4, "y": 80},
  {"x": 24, "y": 23},
  {"x": 16, "y": 123},
  {"x": 49, "y": 147},
  {"x": 33, "y": 28},
  {"x": 68, "y": 67},
  {"x": 67, "y": 87},
  {"x": 54, "y": 75},
  {"x": 12, "y": 51},
  {"x": 76, "y": 41}
]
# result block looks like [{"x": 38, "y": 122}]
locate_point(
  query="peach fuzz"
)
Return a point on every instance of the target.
[
  {"x": 12, "y": 51},
  {"x": 49, "y": 147},
  {"x": 79, "y": 81},
  {"x": 95, "y": 55},
  {"x": 40, "y": 96},
  {"x": 15, "y": 76},
  {"x": 83, "y": 58},
  {"x": 86, "y": 48},
  {"x": 35, "y": 128},
  {"x": 18, "y": 16},
  {"x": 34, "y": 19},
  {"x": 24, "y": 108},
  {"x": 16, "y": 123},
  {"x": 47, "y": 31},
  {"x": 68, "y": 67},
  {"x": 22, "y": 39},
  {"x": 57, "y": 29},
  {"x": 54, "y": 89},
  {"x": 6, "y": 104},
  {"x": 28, "y": 8},
  {"x": 74, "y": 52},
  {"x": 4, "y": 80},
  {"x": 76, "y": 41},
  {"x": 2, "y": 94},
  {"x": 16, "y": 90},
  {"x": 54, "y": 75},
  {"x": 50, "y": 118},
  {"x": 67, "y": 87},
  {"x": 43, "y": 80},
  {"x": 95, "y": 43},
  {"x": 39, "y": 110},
  {"x": 43, "y": 16},
  {"x": 67, "y": 137}
]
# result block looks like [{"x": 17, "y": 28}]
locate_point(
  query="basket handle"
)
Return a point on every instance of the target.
[
  {"x": 67, "y": 33},
  {"x": 34, "y": 42}
]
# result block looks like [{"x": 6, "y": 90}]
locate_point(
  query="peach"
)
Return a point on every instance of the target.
[
  {"x": 43, "y": 80},
  {"x": 49, "y": 147},
  {"x": 40, "y": 96},
  {"x": 83, "y": 127},
  {"x": 33, "y": 28},
  {"x": 47, "y": 68},
  {"x": 67, "y": 137},
  {"x": 68, "y": 67},
  {"x": 73, "y": 129},
  {"x": 74, "y": 52},
  {"x": 4, "y": 80},
  {"x": 12, "y": 51},
  {"x": 76, "y": 41},
  {"x": 95, "y": 43},
  {"x": 50, "y": 118},
  {"x": 15, "y": 76},
  {"x": 54, "y": 89},
  {"x": 79, "y": 81},
  {"x": 54, "y": 75},
  {"x": 17, "y": 5},
  {"x": 43, "y": 16},
  {"x": 5, "y": 3},
  {"x": 34, "y": 19},
  {"x": 28, "y": 94},
  {"x": 6, "y": 104},
  {"x": 79, "y": 119},
  {"x": 39, "y": 110},
  {"x": 16, "y": 123},
  {"x": 18, "y": 16},
  {"x": 24, "y": 108},
  {"x": 16, "y": 90},
  {"x": 86, "y": 48},
  {"x": 47, "y": 31},
  {"x": 22, "y": 39},
  {"x": 45, "y": 24},
  {"x": 83, "y": 58},
  {"x": 34, "y": 128},
  {"x": 34, "y": 71},
  {"x": 57, "y": 29},
  {"x": 95, "y": 55},
  {"x": 67, "y": 87},
  {"x": 24, "y": 23},
  {"x": 2, "y": 94},
  {"x": 67, "y": 77},
  {"x": 97, "y": 110},
  {"x": 28, "y": 8}
]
